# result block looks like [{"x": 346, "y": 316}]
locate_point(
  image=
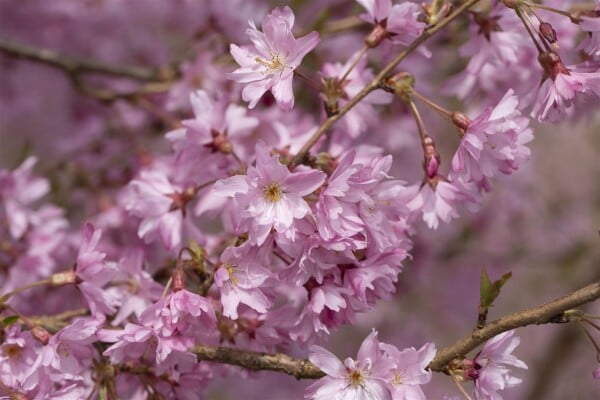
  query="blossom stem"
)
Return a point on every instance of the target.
[
  {"x": 374, "y": 84},
  {"x": 358, "y": 57},
  {"x": 418, "y": 120},
  {"x": 459, "y": 386},
  {"x": 548, "y": 8},
  {"x": 533, "y": 38},
  {"x": 441, "y": 110},
  {"x": 8, "y": 295},
  {"x": 314, "y": 84},
  {"x": 591, "y": 338}
]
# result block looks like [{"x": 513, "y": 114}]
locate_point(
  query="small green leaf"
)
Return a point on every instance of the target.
[
  {"x": 489, "y": 291},
  {"x": 8, "y": 321}
]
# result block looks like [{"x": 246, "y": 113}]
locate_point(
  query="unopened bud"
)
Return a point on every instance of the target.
[
  {"x": 63, "y": 278},
  {"x": 432, "y": 157},
  {"x": 376, "y": 36},
  {"x": 401, "y": 84},
  {"x": 548, "y": 32},
  {"x": 178, "y": 280},
  {"x": 41, "y": 334},
  {"x": 461, "y": 121}
]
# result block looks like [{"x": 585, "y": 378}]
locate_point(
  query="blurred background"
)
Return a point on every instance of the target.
[{"x": 542, "y": 223}]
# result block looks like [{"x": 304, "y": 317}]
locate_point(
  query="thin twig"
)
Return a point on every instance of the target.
[
  {"x": 74, "y": 65},
  {"x": 374, "y": 84}
]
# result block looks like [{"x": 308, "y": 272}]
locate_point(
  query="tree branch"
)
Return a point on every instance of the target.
[
  {"x": 76, "y": 66},
  {"x": 304, "y": 369},
  {"x": 374, "y": 84}
]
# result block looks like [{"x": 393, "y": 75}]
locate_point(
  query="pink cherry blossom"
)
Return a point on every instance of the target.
[
  {"x": 269, "y": 65},
  {"x": 360, "y": 379},
  {"x": 270, "y": 195},
  {"x": 410, "y": 370},
  {"x": 494, "y": 361}
]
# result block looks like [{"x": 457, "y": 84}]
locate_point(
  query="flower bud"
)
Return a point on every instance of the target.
[
  {"x": 432, "y": 158},
  {"x": 376, "y": 36},
  {"x": 514, "y": 4},
  {"x": 548, "y": 32},
  {"x": 461, "y": 121},
  {"x": 41, "y": 334}
]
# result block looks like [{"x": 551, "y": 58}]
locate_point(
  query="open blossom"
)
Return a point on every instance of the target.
[
  {"x": 271, "y": 195},
  {"x": 492, "y": 366},
  {"x": 400, "y": 21},
  {"x": 410, "y": 370},
  {"x": 493, "y": 142},
  {"x": 562, "y": 84},
  {"x": 360, "y": 379},
  {"x": 270, "y": 63}
]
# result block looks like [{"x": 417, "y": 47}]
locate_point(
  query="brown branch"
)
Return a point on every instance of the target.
[
  {"x": 76, "y": 66},
  {"x": 304, "y": 369},
  {"x": 301, "y": 369},
  {"x": 374, "y": 84}
]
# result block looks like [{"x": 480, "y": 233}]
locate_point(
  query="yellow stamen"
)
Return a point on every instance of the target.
[{"x": 272, "y": 192}]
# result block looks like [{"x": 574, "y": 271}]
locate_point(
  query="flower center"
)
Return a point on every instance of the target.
[
  {"x": 231, "y": 270},
  {"x": 397, "y": 379},
  {"x": 272, "y": 192},
  {"x": 275, "y": 64},
  {"x": 356, "y": 378},
  {"x": 11, "y": 351}
]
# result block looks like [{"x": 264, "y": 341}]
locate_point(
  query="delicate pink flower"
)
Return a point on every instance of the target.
[
  {"x": 94, "y": 272},
  {"x": 360, "y": 379},
  {"x": 18, "y": 352},
  {"x": 240, "y": 279},
  {"x": 493, "y": 360},
  {"x": 562, "y": 84},
  {"x": 270, "y": 63},
  {"x": 410, "y": 370},
  {"x": 596, "y": 373},
  {"x": 400, "y": 20},
  {"x": 18, "y": 190},
  {"x": 271, "y": 195},
  {"x": 493, "y": 142}
]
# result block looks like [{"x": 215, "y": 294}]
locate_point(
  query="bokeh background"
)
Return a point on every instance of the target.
[{"x": 542, "y": 223}]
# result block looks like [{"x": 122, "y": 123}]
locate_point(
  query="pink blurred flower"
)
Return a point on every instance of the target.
[
  {"x": 270, "y": 63},
  {"x": 590, "y": 24},
  {"x": 360, "y": 379},
  {"x": 493, "y": 360},
  {"x": 400, "y": 20},
  {"x": 94, "y": 272}
]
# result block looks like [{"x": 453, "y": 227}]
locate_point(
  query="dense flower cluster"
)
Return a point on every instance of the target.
[{"x": 257, "y": 223}]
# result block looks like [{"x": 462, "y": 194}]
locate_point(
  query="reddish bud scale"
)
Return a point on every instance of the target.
[
  {"x": 376, "y": 36},
  {"x": 548, "y": 32},
  {"x": 41, "y": 334},
  {"x": 178, "y": 280},
  {"x": 461, "y": 121}
]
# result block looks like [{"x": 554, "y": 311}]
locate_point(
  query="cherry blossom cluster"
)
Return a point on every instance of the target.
[{"x": 261, "y": 222}]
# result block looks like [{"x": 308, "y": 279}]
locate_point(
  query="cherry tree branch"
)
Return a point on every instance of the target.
[
  {"x": 303, "y": 369},
  {"x": 76, "y": 66},
  {"x": 374, "y": 84}
]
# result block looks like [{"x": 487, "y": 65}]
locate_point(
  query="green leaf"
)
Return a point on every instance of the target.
[
  {"x": 8, "y": 321},
  {"x": 488, "y": 290}
]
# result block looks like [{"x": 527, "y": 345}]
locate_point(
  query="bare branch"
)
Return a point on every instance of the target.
[
  {"x": 301, "y": 369},
  {"x": 76, "y": 66},
  {"x": 304, "y": 369}
]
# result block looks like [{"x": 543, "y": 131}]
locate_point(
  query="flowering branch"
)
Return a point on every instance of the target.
[
  {"x": 76, "y": 66},
  {"x": 374, "y": 84},
  {"x": 304, "y": 369}
]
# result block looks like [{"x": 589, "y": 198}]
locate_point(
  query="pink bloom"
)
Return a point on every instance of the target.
[
  {"x": 177, "y": 320},
  {"x": 94, "y": 272},
  {"x": 438, "y": 201},
  {"x": 18, "y": 190},
  {"x": 270, "y": 195},
  {"x": 400, "y": 21},
  {"x": 562, "y": 84},
  {"x": 240, "y": 279},
  {"x": 409, "y": 371},
  {"x": 270, "y": 63},
  {"x": 360, "y": 379},
  {"x": 493, "y": 360},
  {"x": 590, "y": 24},
  {"x": 494, "y": 142}
]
